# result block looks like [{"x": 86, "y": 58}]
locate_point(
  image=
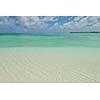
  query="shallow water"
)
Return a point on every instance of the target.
[
  {"x": 74, "y": 57},
  {"x": 40, "y": 64},
  {"x": 68, "y": 39}
]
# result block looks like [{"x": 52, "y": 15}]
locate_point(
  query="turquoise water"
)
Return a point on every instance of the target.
[{"x": 70, "y": 39}]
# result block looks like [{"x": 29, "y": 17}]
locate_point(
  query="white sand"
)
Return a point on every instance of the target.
[{"x": 50, "y": 64}]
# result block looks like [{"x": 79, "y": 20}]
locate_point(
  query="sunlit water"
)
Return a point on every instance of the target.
[
  {"x": 72, "y": 57},
  {"x": 70, "y": 39}
]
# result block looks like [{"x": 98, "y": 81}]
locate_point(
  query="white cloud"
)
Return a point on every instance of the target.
[
  {"x": 31, "y": 23},
  {"x": 80, "y": 23},
  {"x": 4, "y": 20},
  {"x": 49, "y": 18}
]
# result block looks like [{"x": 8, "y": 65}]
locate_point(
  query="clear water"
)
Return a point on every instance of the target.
[{"x": 69, "y": 39}]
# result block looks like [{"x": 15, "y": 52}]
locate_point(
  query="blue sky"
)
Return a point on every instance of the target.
[{"x": 45, "y": 24}]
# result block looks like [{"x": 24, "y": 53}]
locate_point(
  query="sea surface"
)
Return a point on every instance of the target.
[
  {"x": 66, "y": 40},
  {"x": 70, "y": 57}
]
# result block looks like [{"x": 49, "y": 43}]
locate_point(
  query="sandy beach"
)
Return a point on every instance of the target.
[{"x": 51, "y": 64}]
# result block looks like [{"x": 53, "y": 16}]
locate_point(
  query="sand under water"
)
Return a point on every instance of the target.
[{"x": 34, "y": 64}]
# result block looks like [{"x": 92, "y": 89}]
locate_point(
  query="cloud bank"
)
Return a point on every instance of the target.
[{"x": 33, "y": 24}]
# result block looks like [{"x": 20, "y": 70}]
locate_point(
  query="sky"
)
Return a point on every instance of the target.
[{"x": 49, "y": 24}]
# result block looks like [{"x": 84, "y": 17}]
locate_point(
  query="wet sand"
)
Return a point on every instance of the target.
[{"x": 52, "y": 64}]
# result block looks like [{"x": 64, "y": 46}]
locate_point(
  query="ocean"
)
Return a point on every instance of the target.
[{"x": 66, "y": 40}]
